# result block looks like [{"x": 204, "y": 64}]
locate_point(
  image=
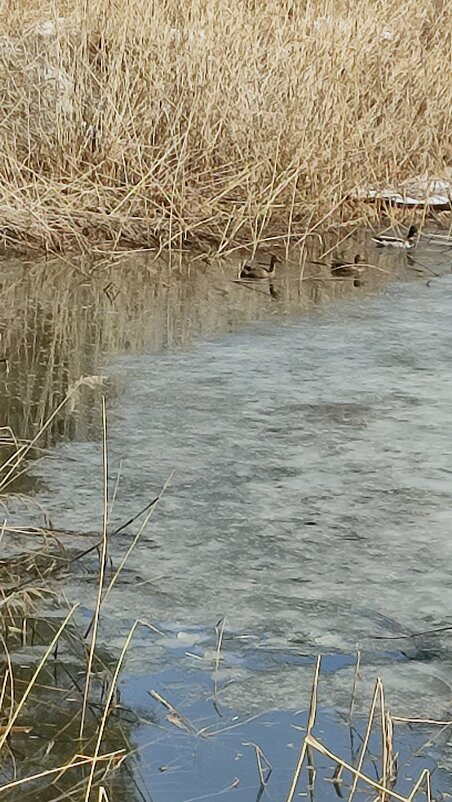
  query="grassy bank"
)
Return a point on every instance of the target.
[{"x": 180, "y": 122}]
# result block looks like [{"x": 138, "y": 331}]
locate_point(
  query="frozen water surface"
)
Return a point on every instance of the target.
[
  {"x": 309, "y": 502},
  {"x": 311, "y": 497}
]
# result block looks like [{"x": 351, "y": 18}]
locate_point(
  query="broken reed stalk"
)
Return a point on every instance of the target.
[
  {"x": 264, "y": 767},
  {"x": 392, "y": 768},
  {"x": 424, "y": 780},
  {"x": 174, "y": 716},
  {"x": 310, "y": 725},
  {"x": 102, "y": 565}
]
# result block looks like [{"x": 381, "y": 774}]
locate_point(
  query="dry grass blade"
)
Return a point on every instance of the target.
[
  {"x": 219, "y": 631},
  {"x": 3, "y": 691},
  {"x": 9, "y": 675},
  {"x": 434, "y": 721},
  {"x": 354, "y": 686},
  {"x": 386, "y": 754},
  {"x": 206, "y": 734},
  {"x": 130, "y": 549},
  {"x": 174, "y": 717},
  {"x": 310, "y": 725},
  {"x": 103, "y": 561},
  {"x": 366, "y": 738},
  {"x": 428, "y": 787},
  {"x": 106, "y": 713},
  {"x": 60, "y": 770},
  {"x": 423, "y": 781},
  {"x": 264, "y": 767},
  {"x": 359, "y": 775},
  {"x": 337, "y": 779}
]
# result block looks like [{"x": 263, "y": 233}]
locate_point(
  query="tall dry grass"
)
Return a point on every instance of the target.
[{"x": 174, "y": 122}]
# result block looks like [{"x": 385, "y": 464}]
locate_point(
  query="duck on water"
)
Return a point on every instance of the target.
[
  {"x": 252, "y": 269},
  {"x": 342, "y": 269},
  {"x": 384, "y": 241}
]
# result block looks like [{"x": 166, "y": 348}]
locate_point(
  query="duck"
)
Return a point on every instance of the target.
[
  {"x": 252, "y": 270},
  {"x": 341, "y": 268},
  {"x": 353, "y": 270},
  {"x": 384, "y": 241}
]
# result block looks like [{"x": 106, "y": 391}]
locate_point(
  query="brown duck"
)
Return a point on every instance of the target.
[
  {"x": 342, "y": 269},
  {"x": 252, "y": 270}
]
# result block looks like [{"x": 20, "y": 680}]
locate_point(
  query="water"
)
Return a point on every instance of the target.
[
  {"x": 309, "y": 461},
  {"x": 225, "y": 754}
]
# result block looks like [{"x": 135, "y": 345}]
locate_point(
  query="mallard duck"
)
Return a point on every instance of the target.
[
  {"x": 252, "y": 270},
  {"x": 383, "y": 241},
  {"x": 345, "y": 269},
  {"x": 353, "y": 270}
]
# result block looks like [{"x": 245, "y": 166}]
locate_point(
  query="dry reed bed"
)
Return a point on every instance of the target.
[{"x": 180, "y": 122}]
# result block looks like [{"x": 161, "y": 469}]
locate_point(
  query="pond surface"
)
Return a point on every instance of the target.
[{"x": 308, "y": 461}]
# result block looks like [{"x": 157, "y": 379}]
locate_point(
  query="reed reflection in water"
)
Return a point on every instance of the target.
[{"x": 58, "y": 323}]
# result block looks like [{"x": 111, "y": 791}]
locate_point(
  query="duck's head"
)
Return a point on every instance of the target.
[
  {"x": 274, "y": 260},
  {"x": 412, "y": 231},
  {"x": 359, "y": 260}
]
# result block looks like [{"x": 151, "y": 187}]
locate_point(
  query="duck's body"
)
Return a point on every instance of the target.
[
  {"x": 384, "y": 241},
  {"x": 341, "y": 268},
  {"x": 252, "y": 270}
]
